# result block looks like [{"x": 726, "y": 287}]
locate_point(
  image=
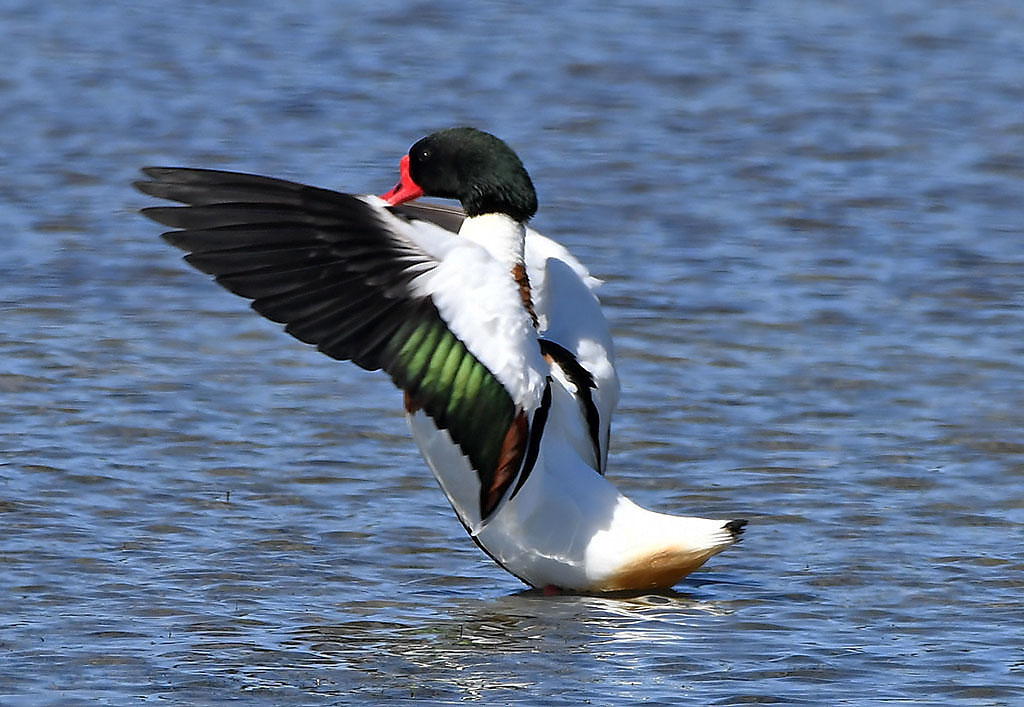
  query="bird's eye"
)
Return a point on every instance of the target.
[{"x": 424, "y": 155}]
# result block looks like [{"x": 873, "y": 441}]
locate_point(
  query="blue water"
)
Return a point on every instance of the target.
[{"x": 809, "y": 220}]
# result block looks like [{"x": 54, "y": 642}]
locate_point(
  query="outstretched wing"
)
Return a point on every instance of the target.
[{"x": 346, "y": 274}]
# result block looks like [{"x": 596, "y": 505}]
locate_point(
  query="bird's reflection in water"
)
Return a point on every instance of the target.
[{"x": 478, "y": 648}]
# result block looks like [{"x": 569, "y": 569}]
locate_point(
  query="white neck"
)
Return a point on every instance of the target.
[{"x": 501, "y": 235}]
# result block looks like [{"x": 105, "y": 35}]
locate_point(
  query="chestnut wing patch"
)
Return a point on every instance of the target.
[{"x": 337, "y": 273}]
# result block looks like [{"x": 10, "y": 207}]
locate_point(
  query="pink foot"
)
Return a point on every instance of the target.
[{"x": 551, "y": 590}]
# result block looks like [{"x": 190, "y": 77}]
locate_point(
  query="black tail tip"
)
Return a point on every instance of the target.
[{"x": 736, "y": 527}]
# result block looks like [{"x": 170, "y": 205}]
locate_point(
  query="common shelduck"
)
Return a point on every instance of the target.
[{"x": 492, "y": 331}]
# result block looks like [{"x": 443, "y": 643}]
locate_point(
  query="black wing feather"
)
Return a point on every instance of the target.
[
  {"x": 333, "y": 270},
  {"x": 584, "y": 382},
  {"x": 449, "y": 218}
]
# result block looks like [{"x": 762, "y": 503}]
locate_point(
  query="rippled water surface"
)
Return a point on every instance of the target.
[{"x": 809, "y": 221}]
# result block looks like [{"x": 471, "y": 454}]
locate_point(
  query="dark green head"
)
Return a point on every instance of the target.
[{"x": 467, "y": 164}]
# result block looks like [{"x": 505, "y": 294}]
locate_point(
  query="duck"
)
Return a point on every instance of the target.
[{"x": 492, "y": 331}]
